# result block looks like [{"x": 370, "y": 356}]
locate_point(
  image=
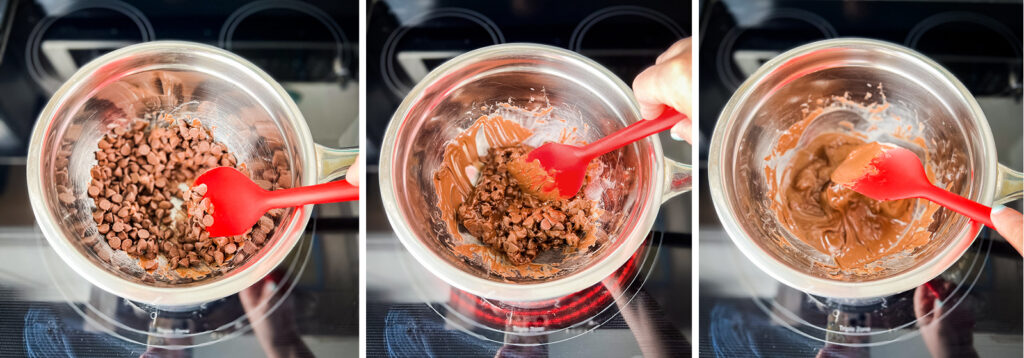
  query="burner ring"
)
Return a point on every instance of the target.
[
  {"x": 576, "y": 40},
  {"x": 227, "y": 31},
  {"x": 35, "y": 38},
  {"x": 536, "y": 313},
  {"x": 387, "y": 63},
  {"x": 931, "y": 22},
  {"x": 726, "y": 72},
  {"x": 836, "y": 303}
]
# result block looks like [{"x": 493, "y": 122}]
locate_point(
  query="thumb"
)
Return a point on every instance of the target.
[
  {"x": 354, "y": 171},
  {"x": 683, "y": 131},
  {"x": 1010, "y": 224},
  {"x": 649, "y": 110}
]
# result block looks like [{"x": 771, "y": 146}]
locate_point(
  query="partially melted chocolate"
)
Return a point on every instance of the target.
[{"x": 516, "y": 223}]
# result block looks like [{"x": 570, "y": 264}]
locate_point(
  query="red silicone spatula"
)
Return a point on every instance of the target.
[
  {"x": 563, "y": 167},
  {"x": 887, "y": 172},
  {"x": 238, "y": 203}
]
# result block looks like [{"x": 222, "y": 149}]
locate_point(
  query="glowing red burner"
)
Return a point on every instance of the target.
[{"x": 555, "y": 313}]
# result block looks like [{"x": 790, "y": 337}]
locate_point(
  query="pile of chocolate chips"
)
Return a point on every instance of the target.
[
  {"x": 140, "y": 168},
  {"x": 519, "y": 224}
]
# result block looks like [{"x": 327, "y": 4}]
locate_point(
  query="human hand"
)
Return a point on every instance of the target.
[
  {"x": 947, "y": 331},
  {"x": 1010, "y": 224},
  {"x": 668, "y": 83},
  {"x": 276, "y": 331},
  {"x": 355, "y": 171}
]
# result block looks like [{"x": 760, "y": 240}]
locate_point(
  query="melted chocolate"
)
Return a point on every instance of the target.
[{"x": 851, "y": 228}]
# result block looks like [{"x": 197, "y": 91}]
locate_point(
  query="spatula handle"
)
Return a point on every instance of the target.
[
  {"x": 634, "y": 132},
  {"x": 335, "y": 191},
  {"x": 964, "y": 206}
]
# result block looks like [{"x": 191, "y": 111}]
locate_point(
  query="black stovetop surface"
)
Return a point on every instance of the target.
[{"x": 301, "y": 44}]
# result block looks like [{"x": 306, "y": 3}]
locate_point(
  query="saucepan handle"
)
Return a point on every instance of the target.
[
  {"x": 332, "y": 162},
  {"x": 1008, "y": 185},
  {"x": 678, "y": 179}
]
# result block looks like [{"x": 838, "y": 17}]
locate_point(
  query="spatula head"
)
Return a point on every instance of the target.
[
  {"x": 882, "y": 172},
  {"x": 551, "y": 171},
  {"x": 237, "y": 201}
]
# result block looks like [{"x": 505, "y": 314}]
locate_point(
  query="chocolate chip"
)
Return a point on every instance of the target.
[
  {"x": 266, "y": 223},
  {"x": 263, "y": 184},
  {"x": 249, "y": 248},
  {"x": 66, "y": 197},
  {"x": 259, "y": 237},
  {"x": 103, "y": 254}
]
